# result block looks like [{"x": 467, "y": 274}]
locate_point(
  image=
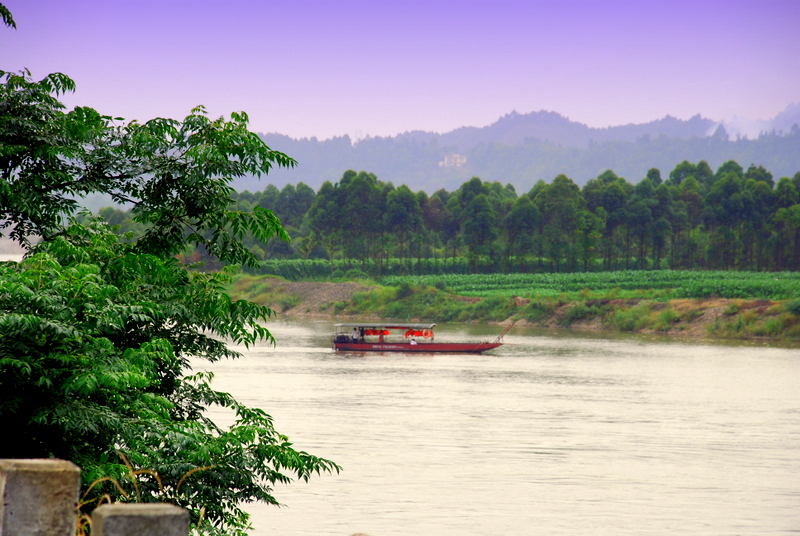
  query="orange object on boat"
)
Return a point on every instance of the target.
[{"x": 394, "y": 337}]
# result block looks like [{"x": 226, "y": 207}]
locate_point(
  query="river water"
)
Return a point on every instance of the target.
[{"x": 551, "y": 434}]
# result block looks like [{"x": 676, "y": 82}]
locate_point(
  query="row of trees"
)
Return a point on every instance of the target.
[{"x": 696, "y": 218}]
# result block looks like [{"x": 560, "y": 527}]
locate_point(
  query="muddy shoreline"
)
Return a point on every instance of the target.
[{"x": 683, "y": 318}]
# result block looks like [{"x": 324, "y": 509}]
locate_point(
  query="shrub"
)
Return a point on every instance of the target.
[
  {"x": 537, "y": 310},
  {"x": 396, "y": 310},
  {"x": 494, "y": 308},
  {"x": 773, "y": 326},
  {"x": 793, "y": 307},
  {"x": 383, "y": 295},
  {"x": 731, "y": 309},
  {"x": 404, "y": 290},
  {"x": 359, "y": 298},
  {"x": 355, "y": 273},
  {"x": 579, "y": 311},
  {"x": 632, "y": 319},
  {"x": 666, "y": 319},
  {"x": 289, "y": 301}
]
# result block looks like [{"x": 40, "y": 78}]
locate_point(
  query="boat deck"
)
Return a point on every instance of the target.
[
  {"x": 414, "y": 337},
  {"x": 421, "y": 347}
]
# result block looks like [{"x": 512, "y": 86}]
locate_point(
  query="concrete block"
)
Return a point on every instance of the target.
[
  {"x": 38, "y": 497},
  {"x": 148, "y": 519}
]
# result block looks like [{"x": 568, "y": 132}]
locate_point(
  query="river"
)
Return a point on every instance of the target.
[{"x": 551, "y": 434}]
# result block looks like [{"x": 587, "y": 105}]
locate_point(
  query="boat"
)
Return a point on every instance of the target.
[{"x": 400, "y": 337}]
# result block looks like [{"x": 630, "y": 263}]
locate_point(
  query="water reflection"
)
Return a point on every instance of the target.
[{"x": 550, "y": 434}]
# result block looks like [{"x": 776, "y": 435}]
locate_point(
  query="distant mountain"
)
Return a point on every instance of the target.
[
  {"x": 516, "y": 128},
  {"x": 520, "y": 149},
  {"x": 780, "y": 124},
  {"x": 786, "y": 120}
]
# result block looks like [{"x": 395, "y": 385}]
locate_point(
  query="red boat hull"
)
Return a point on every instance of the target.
[{"x": 424, "y": 347}]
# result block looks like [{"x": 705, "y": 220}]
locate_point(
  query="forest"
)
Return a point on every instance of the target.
[{"x": 695, "y": 218}]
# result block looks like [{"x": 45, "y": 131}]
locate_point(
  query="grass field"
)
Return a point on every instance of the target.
[{"x": 660, "y": 284}]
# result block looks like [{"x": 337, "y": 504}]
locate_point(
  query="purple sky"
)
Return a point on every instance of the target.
[{"x": 324, "y": 68}]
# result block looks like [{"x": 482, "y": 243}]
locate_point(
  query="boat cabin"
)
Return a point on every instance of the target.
[
  {"x": 399, "y": 337},
  {"x": 351, "y": 332}
]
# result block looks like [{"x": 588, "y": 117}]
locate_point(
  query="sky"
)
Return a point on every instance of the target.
[{"x": 316, "y": 68}]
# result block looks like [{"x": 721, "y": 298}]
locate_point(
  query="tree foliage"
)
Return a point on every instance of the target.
[
  {"x": 98, "y": 331},
  {"x": 174, "y": 174},
  {"x": 6, "y": 17},
  {"x": 95, "y": 359}
]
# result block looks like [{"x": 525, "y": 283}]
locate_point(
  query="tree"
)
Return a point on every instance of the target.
[
  {"x": 681, "y": 172},
  {"x": 403, "y": 216},
  {"x": 479, "y": 228},
  {"x": 654, "y": 174},
  {"x": 293, "y": 203},
  {"x": 758, "y": 173},
  {"x": 364, "y": 206},
  {"x": 725, "y": 210},
  {"x": 326, "y": 218},
  {"x": 704, "y": 175},
  {"x": 608, "y": 196},
  {"x": 562, "y": 211},
  {"x": 729, "y": 166},
  {"x": 641, "y": 216},
  {"x": 6, "y": 17},
  {"x": 174, "y": 174},
  {"x": 755, "y": 228},
  {"x": 97, "y": 331},
  {"x": 520, "y": 224},
  {"x": 785, "y": 193}
]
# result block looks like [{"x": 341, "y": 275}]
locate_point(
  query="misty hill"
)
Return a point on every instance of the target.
[
  {"x": 522, "y": 148},
  {"x": 516, "y": 128},
  {"x": 780, "y": 124}
]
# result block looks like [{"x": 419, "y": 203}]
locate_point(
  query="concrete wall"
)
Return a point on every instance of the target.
[{"x": 40, "y": 498}]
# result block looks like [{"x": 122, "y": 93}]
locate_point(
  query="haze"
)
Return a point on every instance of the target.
[{"x": 315, "y": 68}]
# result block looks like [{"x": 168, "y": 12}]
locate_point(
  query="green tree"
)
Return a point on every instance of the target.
[
  {"x": 5, "y": 16},
  {"x": 293, "y": 203},
  {"x": 758, "y": 173},
  {"x": 725, "y": 208},
  {"x": 403, "y": 216},
  {"x": 704, "y": 175},
  {"x": 327, "y": 219},
  {"x": 520, "y": 224},
  {"x": 479, "y": 225},
  {"x": 640, "y": 218},
  {"x": 607, "y": 196},
  {"x": 785, "y": 193},
  {"x": 562, "y": 210},
  {"x": 451, "y": 233},
  {"x": 654, "y": 174},
  {"x": 268, "y": 198},
  {"x": 364, "y": 206},
  {"x": 756, "y": 228},
  {"x": 174, "y": 174},
  {"x": 681, "y": 172},
  {"x": 729, "y": 166},
  {"x": 97, "y": 333},
  {"x": 787, "y": 252}
]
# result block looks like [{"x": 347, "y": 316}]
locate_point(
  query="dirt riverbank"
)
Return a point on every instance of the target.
[
  {"x": 308, "y": 299},
  {"x": 718, "y": 318}
]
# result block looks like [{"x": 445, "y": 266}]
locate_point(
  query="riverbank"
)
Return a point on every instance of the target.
[{"x": 718, "y": 318}]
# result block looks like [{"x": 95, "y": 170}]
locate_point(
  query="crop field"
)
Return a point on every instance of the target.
[{"x": 669, "y": 283}]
